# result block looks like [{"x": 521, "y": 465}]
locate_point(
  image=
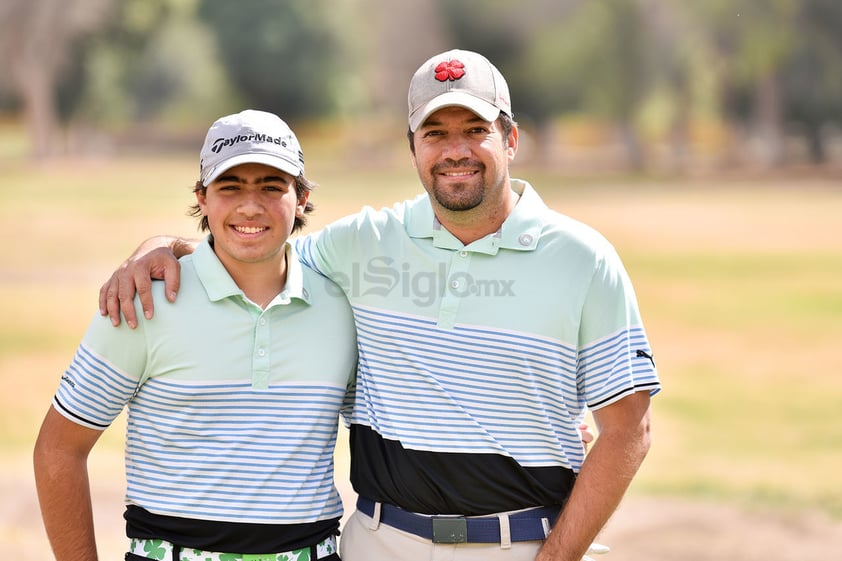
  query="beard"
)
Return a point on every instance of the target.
[{"x": 458, "y": 196}]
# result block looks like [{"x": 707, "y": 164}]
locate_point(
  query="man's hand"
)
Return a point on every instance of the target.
[
  {"x": 153, "y": 259},
  {"x": 587, "y": 435}
]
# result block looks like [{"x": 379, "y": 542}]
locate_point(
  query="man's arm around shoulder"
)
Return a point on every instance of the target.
[{"x": 155, "y": 258}]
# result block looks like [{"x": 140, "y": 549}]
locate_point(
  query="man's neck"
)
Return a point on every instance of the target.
[
  {"x": 472, "y": 225},
  {"x": 261, "y": 282}
]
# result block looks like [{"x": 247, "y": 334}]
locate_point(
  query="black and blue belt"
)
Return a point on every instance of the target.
[{"x": 525, "y": 525}]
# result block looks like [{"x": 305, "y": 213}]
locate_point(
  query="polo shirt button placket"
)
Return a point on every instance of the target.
[
  {"x": 260, "y": 360},
  {"x": 455, "y": 289}
]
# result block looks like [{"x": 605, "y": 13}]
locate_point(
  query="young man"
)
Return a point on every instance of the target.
[
  {"x": 487, "y": 324},
  {"x": 233, "y": 392}
]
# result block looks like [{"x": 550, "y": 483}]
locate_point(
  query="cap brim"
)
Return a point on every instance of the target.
[
  {"x": 482, "y": 108},
  {"x": 253, "y": 158}
]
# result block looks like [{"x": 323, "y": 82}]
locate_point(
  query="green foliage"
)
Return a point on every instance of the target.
[
  {"x": 154, "y": 61},
  {"x": 598, "y": 58},
  {"x": 279, "y": 53},
  {"x": 668, "y": 64},
  {"x": 812, "y": 77},
  {"x": 175, "y": 83},
  {"x": 98, "y": 87},
  {"x": 751, "y": 39}
]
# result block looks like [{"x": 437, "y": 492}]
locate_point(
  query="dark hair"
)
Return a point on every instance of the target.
[
  {"x": 302, "y": 186},
  {"x": 506, "y": 126}
]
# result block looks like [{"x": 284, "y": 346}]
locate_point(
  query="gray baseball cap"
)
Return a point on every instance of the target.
[
  {"x": 250, "y": 137},
  {"x": 458, "y": 78}
]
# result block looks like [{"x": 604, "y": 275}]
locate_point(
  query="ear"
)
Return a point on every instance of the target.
[
  {"x": 202, "y": 200},
  {"x": 511, "y": 142},
  {"x": 412, "y": 146},
  {"x": 302, "y": 204}
]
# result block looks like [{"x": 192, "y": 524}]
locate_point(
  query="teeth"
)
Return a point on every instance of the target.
[
  {"x": 457, "y": 174},
  {"x": 248, "y": 229}
]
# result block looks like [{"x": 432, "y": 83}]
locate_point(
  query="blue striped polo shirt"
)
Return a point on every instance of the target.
[
  {"x": 477, "y": 363},
  {"x": 232, "y": 410}
]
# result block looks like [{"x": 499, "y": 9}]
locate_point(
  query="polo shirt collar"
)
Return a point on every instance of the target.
[
  {"x": 219, "y": 284},
  {"x": 519, "y": 232}
]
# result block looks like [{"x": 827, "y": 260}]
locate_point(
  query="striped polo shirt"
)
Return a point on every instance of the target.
[
  {"x": 232, "y": 410},
  {"x": 477, "y": 363}
]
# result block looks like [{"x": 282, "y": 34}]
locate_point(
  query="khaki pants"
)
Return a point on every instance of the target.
[{"x": 364, "y": 540}]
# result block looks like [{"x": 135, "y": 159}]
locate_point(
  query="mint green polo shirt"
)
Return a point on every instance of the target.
[
  {"x": 233, "y": 410},
  {"x": 495, "y": 347}
]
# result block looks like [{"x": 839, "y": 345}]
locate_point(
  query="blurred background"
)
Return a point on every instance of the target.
[
  {"x": 704, "y": 139},
  {"x": 642, "y": 85}
]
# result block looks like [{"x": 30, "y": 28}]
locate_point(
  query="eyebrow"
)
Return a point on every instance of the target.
[
  {"x": 267, "y": 179},
  {"x": 436, "y": 123}
]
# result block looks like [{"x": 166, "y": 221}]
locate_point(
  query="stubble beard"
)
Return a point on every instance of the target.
[{"x": 458, "y": 197}]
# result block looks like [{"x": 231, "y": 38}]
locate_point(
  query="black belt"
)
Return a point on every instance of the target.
[{"x": 528, "y": 525}]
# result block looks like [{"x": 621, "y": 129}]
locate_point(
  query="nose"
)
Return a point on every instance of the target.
[
  {"x": 456, "y": 148},
  {"x": 250, "y": 204}
]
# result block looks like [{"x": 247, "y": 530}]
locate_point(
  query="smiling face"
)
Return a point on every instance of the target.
[
  {"x": 251, "y": 210},
  {"x": 463, "y": 161}
]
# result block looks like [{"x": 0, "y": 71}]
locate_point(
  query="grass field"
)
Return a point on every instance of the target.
[{"x": 740, "y": 284}]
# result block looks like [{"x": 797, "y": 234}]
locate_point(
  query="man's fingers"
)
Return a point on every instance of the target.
[
  {"x": 134, "y": 277},
  {"x": 109, "y": 297},
  {"x": 112, "y": 300},
  {"x": 129, "y": 282},
  {"x": 587, "y": 435},
  {"x": 143, "y": 286},
  {"x": 125, "y": 296},
  {"x": 103, "y": 299},
  {"x": 598, "y": 549},
  {"x": 172, "y": 279}
]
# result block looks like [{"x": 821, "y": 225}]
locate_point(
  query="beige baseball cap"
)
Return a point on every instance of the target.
[
  {"x": 458, "y": 78},
  {"x": 248, "y": 137}
]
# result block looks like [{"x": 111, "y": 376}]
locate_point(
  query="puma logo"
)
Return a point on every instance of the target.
[{"x": 643, "y": 354}]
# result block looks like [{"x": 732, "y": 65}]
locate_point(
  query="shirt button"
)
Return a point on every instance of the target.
[
  {"x": 454, "y": 284},
  {"x": 525, "y": 239},
  {"x": 463, "y": 253},
  {"x": 262, "y": 321},
  {"x": 261, "y": 352}
]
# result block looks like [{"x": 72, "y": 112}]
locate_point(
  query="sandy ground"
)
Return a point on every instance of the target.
[{"x": 643, "y": 529}]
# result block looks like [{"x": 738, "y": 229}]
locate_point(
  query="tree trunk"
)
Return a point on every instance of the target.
[
  {"x": 635, "y": 157},
  {"x": 36, "y": 89},
  {"x": 769, "y": 120},
  {"x": 815, "y": 143}
]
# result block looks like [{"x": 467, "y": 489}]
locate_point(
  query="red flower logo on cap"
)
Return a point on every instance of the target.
[{"x": 449, "y": 70}]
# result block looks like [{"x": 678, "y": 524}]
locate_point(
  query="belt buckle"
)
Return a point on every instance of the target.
[
  {"x": 449, "y": 530},
  {"x": 259, "y": 557}
]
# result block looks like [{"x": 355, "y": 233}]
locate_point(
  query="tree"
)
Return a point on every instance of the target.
[
  {"x": 281, "y": 54},
  {"x": 36, "y": 39},
  {"x": 753, "y": 40},
  {"x": 812, "y": 77},
  {"x": 597, "y": 60}
]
